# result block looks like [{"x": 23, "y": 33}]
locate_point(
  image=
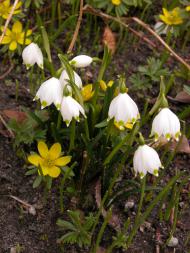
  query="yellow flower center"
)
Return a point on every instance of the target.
[
  {"x": 116, "y": 2},
  {"x": 47, "y": 162},
  {"x": 15, "y": 36}
]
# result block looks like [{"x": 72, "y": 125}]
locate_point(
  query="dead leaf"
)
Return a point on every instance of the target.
[
  {"x": 109, "y": 39},
  {"x": 182, "y": 147},
  {"x": 17, "y": 115},
  {"x": 114, "y": 221},
  {"x": 182, "y": 97}
]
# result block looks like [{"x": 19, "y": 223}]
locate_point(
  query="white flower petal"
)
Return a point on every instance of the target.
[
  {"x": 50, "y": 92},
  {"x": 32, "y": 54},
  {"x": 123, "y": 108},
  {"x": 166, "y": 123},
  {"x": 81, "y": 61},
  {"x": 70, "y": 108},
  {"x": 65, "y": 77},
  {"x": 145, "y": 160}
]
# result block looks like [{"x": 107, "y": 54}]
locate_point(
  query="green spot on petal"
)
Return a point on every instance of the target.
[
  {"x": 44, "y": 103},
  {"x": 168, "y": 136},
  {"x": 142, "y": 175},
  {"x": 73, "y": 62},
  {"x": 177, "y": 135},
  {"x": 156, "y": 136},
  {"x": 155, "y": 172},
  {"x": 67, "y": 122},
  {"x": 58, "y": 106}
]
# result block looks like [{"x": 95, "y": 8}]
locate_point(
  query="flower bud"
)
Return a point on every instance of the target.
[{"x": 81, "y": 61}]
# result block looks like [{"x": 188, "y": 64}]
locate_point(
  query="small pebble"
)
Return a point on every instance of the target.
[
  {"x": 32, "y": 210},
  {"x": 129, "y": 205},
  {"x": 13, "y": 250},
  {"x": 173, "y": 242}
]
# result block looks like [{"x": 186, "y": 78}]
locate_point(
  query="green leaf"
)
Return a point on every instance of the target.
[
  {"x": 31, "y": 172},
  {"x": 104, "y": 123},
  {"x": 37, "y": 181}
]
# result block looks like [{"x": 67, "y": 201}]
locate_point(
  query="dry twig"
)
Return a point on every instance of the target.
[
  {"x": 7, "y": 72},
  {"x": 5, "y": 125},
  {"x": 8, "y": 20},
  {"x": 89, "y": 9},
  {"x": 76, "y": 28},
  {"x": 31, "y": 209}
]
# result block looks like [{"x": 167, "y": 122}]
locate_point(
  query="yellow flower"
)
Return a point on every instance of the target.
[
  {"x": 49, "y": 160},
  {"x": 104, "y": 86},
  {"x": 5, "y": 8},
  {"x": 188, "y": 8},
  {"x": 171, "y": 17},
  {"x": 116, "y": 2},
  {"x": 16, "y": 36},
  {"x": 87, "y": 92}
]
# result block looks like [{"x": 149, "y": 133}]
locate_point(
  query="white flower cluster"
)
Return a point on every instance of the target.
[
  {"x": 52, "y": 90},
  {"x": 123, "y": 110}
]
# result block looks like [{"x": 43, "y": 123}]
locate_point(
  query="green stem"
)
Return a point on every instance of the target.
[
  {"x": 150, "y": 207},
  {"x": 119, "y": 145},
  {"x": 143, "y": 183},
  {"x": 72, "y": 135},
  {"x": 63, "y": 180},
  {"x": 59, "y": 120},
  {"x": 102, "y": 229}
]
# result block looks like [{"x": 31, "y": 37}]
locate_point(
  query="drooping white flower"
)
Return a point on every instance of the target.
[
  {"x": 65, "y": 77},
  {"x": 160, "y": 28},
  {"x": 70, "y": 108},
  {"x": 50, "y": 92},
  {"x": 124, "y": 111},
  {"x": 145, "y": 160},
  {"x": 81, "y": 61},
  {"x": 32, "y": 54},
  {"x": 166, "y": 124}
]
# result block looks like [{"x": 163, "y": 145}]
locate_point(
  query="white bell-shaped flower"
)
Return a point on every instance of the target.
[
  {"x": 70, "y": 108},
  {"x": 160, "y": 28},
  {"x": 50, "y": 92},
  {"x": 145, "y": 160},
  {"x": 166, "y": 124},
  {"x": 81, "y": 61},
  {"x": 64, "y": 80},
  {"x": 124, "y": 111},
  {"x": 32, "y": 54}
]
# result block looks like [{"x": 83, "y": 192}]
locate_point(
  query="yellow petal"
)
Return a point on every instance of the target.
[
  {"x": 34, "y": 159},
  {"x": 20, "y": 40},
  {"x": 43, "y": 170},
  {"x": 166, "y": 12},
  {"x": 187, "y": 8},
  {"x": 18, "y": 5},
  {"x": 6, "y": 40},
  {"x": 8, "y": 31},
  {"x": 54, "y": 171},
  {"x": 103, "y": 85},
  {"x": 62, "y": 161},
  {"x": 6, "y": 3},
  {"x": 165, "y": 19},
  {"x": 43, "y": 149},
  {"x": 27, "y": 41},
  {"x": 29, "y": 32},
  {"x": 13, "y": 45},
  {"x": 87, "y": 92},
  {"x": 17, "y": 27},
  {"x": 55, "y": 151}
]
